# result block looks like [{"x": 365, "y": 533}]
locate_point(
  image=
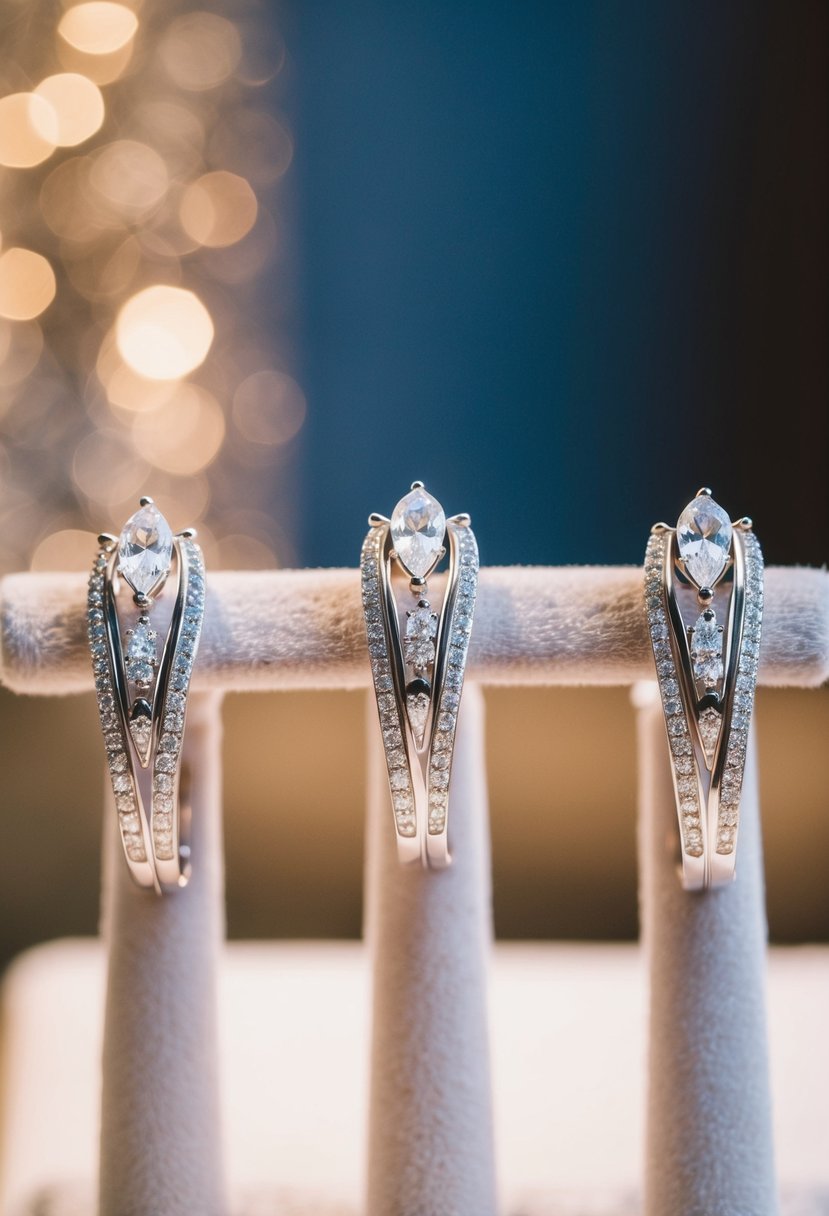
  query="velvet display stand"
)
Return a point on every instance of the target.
[
  {"x": 430, "y": 1146},
  {"x": 430, "y": 1131},
  {"x": 709, "y": 1144},
  {"x": 160, "y": 1101}
]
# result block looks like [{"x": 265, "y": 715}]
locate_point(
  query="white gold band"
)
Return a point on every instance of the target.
[
  {"x": 142, "y": 702},
  {"x": 418, "y": 680},
  {"x": 707, "y": 672}
]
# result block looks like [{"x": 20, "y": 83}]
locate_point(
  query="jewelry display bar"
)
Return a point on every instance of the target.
[{"x": 430, "y": 1141}]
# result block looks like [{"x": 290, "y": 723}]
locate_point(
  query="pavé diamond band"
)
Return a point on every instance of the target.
[
  {"x": 704, "y": 604},
  {"x": 418, "y": 645},
  {"x": 142, "y": 685}
]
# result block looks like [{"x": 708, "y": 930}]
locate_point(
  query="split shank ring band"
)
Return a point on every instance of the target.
[
  {"x": 142, "y": 683},
  {"x": 704, "y": 604},
  {"x": 418, "y": 646}
]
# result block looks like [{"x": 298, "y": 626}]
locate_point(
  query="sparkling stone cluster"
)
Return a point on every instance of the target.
[
  {"x": 141, "y": 653},
  {"x": 706, "y": 649},
  {"x": 399, "y": 779},
  {"x": 735, "y": 754},
  {"x": 165, "y": 768},
  {"x": 421, "y": 630},
  {"x": 459, "y": 627},
  {"x": 679, "y": 739},
  {"x": 120, "y": 769}
]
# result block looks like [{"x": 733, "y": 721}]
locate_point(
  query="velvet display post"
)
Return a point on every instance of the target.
[
  {"x": 161, "y": 1144},
  {"x": 709, "y": 1136},
  {"x": 429, "y": 933},
  {"x": 303, "y": 629}
]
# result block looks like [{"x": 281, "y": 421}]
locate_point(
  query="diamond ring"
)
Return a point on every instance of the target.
[
  {"x": 704, "y": 603},
  {"x": 418, "y": 647},
  {"x": 142, "y": 684}
]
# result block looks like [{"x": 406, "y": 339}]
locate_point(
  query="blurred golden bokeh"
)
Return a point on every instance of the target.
[
  {"x": 128, "y": 179},
  {"x": 183, "y": 434},
  {"x": 200, "y": 50},
  {"x": 218, "y": 209},
  {"x": 64, "y": 549},
  {"x": 268, "y": 407},
  {"x": 138, "y": 226},
  {"x": 77, "y": 107},
  {"x": 27, "y": 284},
  {"x": 28, "y": 130},
  {"x": 164, "y": 333},
  {"x": 99, "y": 27}
]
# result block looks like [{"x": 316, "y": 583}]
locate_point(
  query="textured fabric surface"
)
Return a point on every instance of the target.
[
  {"x": 303, "y": 629},
  {"x": 161, "y": 1149},
  {"x": 709, "y": 1143},
  {"x": 78, "y": 1201},
  {"x": 568, "y": 1052},
  {"x": 430, "y": 1140}
]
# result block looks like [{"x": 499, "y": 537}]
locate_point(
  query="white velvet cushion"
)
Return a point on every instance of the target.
[{"x": 568, "y": 1039}]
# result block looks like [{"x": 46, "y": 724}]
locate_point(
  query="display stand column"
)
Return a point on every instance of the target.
[
  {"x": 430, "y": 1144},
  {"x": 160, "y": 1113},
  {"x": 709, "y": 1145}
]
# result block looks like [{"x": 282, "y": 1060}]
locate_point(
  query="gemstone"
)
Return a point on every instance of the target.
[
  {"x": 418, "y": 527},
  {"x": 419, "y": 651},
  {"x": 706, "y": 648},
  {"x": 703, "y": 534},
  {"x": 421, "y": 622},
  {"x": 417, "y": 709},
  {"x": 709, "y": 732},
  {"x": 145, "y": 549}
]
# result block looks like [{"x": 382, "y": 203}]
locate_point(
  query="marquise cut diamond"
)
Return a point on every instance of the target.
[
  {"x": 418, "y": 527},
  {"x": 703, "y": 534},
  {"x": 145, "y": 549}
]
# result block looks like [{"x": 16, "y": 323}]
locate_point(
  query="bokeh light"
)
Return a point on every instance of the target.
[
  {"x": 64, "y": 549},
  {"x": 269, "y": 408},
  {"x": 77, "y": 103},
  {"x": 138, "y": 226},
  {"x": 164, "y": 333},
  {"x": 28, "y": 130},
  {"x": 200, "y": 50},
  {"x": 27, "y": 284},
  {"x": 129, "y": 178},
  {"x": 218, "y": 209},
  {"x": 184, "y": 434},
  {"x": 99, "y": 27},
  {"x": 108, "y": 470}
]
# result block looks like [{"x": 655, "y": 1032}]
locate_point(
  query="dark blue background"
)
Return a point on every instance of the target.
[{"x": 563, "y": 262}]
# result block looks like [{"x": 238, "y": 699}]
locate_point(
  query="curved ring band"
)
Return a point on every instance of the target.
[
  {"x": 707, "y": 669},
  {"x": 142, "y": 696},
  {"x": 418, "y": 658}
]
